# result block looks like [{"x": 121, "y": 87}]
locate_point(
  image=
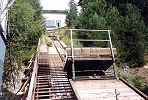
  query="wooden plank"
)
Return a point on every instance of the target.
[
  {"x": 104, "y": 90},
  {"x": 91, "y": 52},
  {"x": 32, "y": 83},
  {"x": 74, "y": 89}
]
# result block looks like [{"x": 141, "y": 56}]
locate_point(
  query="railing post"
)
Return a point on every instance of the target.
[
  {"x": 34, "y": 75},
  {"x": 112, "y": 52},
  {"x": 72, "y": 54},
  {"x": 117, "y": 93}
]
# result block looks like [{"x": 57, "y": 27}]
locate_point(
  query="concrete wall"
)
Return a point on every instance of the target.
[
  {"x": 56, "y": 17},
  {"x": 54, "y": 5}
]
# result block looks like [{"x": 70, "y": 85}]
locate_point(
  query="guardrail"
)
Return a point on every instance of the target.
[
  {"x": 31, "y": 63},
  {"x": 23, "y": 91},
  {"x": 31, "y": 91},
  {"x": 108, "y": 32}
]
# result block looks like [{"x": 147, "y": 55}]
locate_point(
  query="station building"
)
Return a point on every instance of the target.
[
  {"x": 54, "y": 13},
  {"x": 54, "y": 18}
]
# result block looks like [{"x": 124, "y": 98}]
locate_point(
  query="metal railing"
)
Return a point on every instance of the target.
[
  {"x": 94, "y": 40},
  {"x": 31, "y": 91}
]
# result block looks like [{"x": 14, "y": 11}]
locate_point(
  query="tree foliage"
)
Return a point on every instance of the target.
[
  {"x": 124, "y": 20},
  {"x": 142, "y": 6},
  {"x": 96, "y": 15},
  {"x": 71, "y": 17},
  {"x": 130, "y": 36},
  {"x": 25, "y": 26}
]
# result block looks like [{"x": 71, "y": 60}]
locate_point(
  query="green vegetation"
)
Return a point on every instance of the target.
[
  {"x": 71, "y": 18},
  {"x": 136, "y": 77},
  {"x": 65, "y": 37},
  {"x": 127, "y": 29},
  {"x": 24, "y": 29},
  {"x": 48, "y": 43},
  {"x": 128, "y": 21}
]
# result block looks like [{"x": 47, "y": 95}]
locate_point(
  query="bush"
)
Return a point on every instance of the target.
[
  {"x": 137, "y": 81},
  {"x": 145, "y": 89}
]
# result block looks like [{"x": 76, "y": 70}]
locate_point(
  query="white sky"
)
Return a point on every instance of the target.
[{"x": 55, "y": 4}]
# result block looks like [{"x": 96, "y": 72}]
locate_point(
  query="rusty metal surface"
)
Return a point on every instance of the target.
[
  {"x": 104, "y": 90},
  {"x": 52, "y": 82},
  {"x": 61, "y": 88}
]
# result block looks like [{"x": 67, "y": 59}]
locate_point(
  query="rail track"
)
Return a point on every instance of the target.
[
  {"x": 52, "y": 82},
  {"x": 48, "y": 81}
]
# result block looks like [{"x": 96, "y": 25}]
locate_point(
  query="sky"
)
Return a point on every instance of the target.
[{"x": 55, "y": 4}]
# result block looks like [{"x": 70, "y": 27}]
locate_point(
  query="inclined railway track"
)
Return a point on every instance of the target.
[{"x": 52, "y": 82}]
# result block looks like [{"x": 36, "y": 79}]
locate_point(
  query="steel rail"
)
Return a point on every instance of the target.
[
  {"x": 57, "y": 48},
  {"x": 89, "y": 30},
  {"x": 87, "y": 40},
  {"x": 74, "y": 91},
  {"x": 58, "y": 77}
]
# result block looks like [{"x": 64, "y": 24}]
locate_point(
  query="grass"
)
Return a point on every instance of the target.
[
  {"x": 27, "y": 54},
  {"x": 48, "y": 43},
  {"x": 146, "y": 59},
  {"x": 65, "y": 37},
  {"x": 137, "y": 77}
]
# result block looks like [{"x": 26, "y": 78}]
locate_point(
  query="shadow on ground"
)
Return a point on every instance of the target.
[{"x": 7, "y": 95}]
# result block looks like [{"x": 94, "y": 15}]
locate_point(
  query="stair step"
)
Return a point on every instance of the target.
[
  {"x": 41, "y": 86},
  {"x": 64, "y": 88},
  {"x": 60, "y": 82},
  {"x": 61, "y": 91},
  {"x": 42, "y": 92},
  {"x": 44, "y": 76},
  {"x": 39, "y": 96},
  {"x": 59, "y": 76},
  {"x": 61, "y": 85},
  {"x": 40, "y": 89},
  {"x": 43, "y": 83}
]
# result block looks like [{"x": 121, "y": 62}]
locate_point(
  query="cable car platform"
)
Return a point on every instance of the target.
[{"x": 88, "y": 61}]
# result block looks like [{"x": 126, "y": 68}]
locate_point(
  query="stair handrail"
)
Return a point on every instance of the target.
[
  {"x": 24, "y": 85},
  {"x": 31, "y": 91}
]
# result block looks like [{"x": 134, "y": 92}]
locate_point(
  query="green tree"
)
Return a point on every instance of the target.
[
  {"x": 71, "y": 17},
  {"x": 97, "y": 15},
  {"x": 142, "y": 5},
  {"x": 25, "y": 27},
  {"x": 127, "y": 27},
  {"x": 130, "y": 37}
]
